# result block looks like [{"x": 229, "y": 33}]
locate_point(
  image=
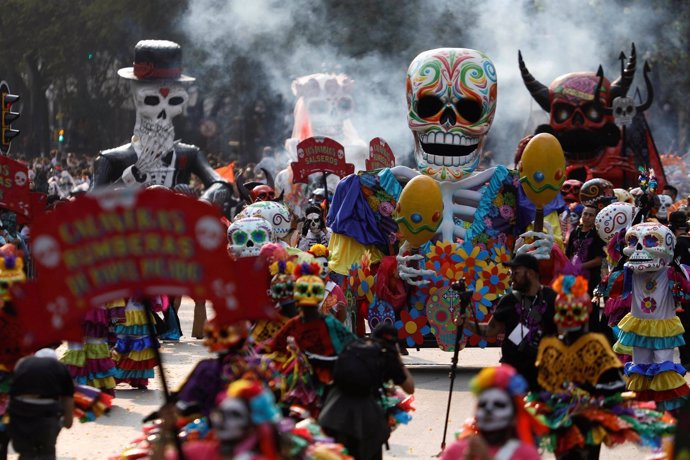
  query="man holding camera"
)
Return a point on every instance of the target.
[{"x": 524, "y": 316}]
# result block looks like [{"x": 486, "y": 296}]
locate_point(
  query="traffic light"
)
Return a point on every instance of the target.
[
  {"x": 7, "y": 99},
  {"x": 61, "y": 136}
]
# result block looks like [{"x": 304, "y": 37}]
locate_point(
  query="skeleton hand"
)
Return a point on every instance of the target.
[
  {"x": 155, "y": 145},
  {"x": 541, "y": 245},
  {"x": 409, "y": 271}
]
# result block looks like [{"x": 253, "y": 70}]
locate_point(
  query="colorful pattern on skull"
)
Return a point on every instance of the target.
[
  {"x": 247, "y": 236},
  {"x": 451, "y": 101},
  {"x": 649, "y": 247}
]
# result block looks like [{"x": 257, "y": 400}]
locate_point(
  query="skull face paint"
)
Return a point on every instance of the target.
[
  {"x": 451, "y": 101},
  {"x": 494, "y": 410},
  {"x": 649, "y": 247},
  {"x": 231, "y": 420},
  {"x": 665, "y": 201}
]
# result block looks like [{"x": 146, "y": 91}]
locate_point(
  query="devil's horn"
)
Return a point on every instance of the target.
[
  {"x": 650, "y": 90},
  {"x": 269, "y": 178},
  {"x": 597, "y": 90},
  {"x": 539, "y": 92},
  {"x": 622, "y": 84}
]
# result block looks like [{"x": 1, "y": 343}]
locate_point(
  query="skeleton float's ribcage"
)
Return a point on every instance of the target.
[{"x": 161, "y": 176}]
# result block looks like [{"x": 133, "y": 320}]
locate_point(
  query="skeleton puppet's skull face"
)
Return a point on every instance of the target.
[
  {"x": 282, "y": 287},
  {"x": 451, "y": 101},
  {"x": 246, "y": 236},
  {"x": 232, "y": 420},
  {"x": 649, "y": 247},
  {"x": 495, "y": 410},
  {"x": 623, "y": 111},
  {"x": 664, "y": 202},
  {"x": 327, "y": 100},
  {"x": 572, "y": 312},
  {"x": 157, "y": 103}
]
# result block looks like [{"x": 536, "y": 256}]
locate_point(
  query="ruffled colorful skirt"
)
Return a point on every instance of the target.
[
  {"x": 662, "y": 381},
  {"x": 134, "y": 349},
  {"x": 90, "y": 363},
  {"x": 579, "y": 420}
]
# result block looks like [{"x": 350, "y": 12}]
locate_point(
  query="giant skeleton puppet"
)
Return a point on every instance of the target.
[
  {"x": 154, "y": 157},
  {"x": 324, "y": 108},
  {"x": 604, "y": 136},
  {"x": 451, "y": 98}
]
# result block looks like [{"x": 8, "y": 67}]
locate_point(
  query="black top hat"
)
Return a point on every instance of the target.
[{"x": 156, "y": 60}]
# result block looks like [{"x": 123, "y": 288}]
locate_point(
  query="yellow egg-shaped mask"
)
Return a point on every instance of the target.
[
  {"x": 420, "y": 210},
  {"x": 542, "y": 169}
]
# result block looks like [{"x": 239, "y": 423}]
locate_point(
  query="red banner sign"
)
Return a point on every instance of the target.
[
  {"x": 135, "y": 243},
  {"x": 380, "y": 155},
  {"x": 320, "y": 154},
  {"x": 14, "y": 186}
]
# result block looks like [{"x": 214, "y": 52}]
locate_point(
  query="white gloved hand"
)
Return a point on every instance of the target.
[
  {"x": 409, "y": 273},
  {"x": 541, "y": 245}
]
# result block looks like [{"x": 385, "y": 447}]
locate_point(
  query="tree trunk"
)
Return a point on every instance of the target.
[{"x": 36, "y": 128}]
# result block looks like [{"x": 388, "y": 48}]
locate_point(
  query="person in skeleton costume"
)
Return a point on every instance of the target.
[
  {"x": 159, "y": 90},
  {"x": 602, "y": 132},
  {"x": 314, "y": 230},
  {"x": 334, "y": 302},
  {"x": 653, "y": 285},
  {"x": 451, "y": 100},
  {"x": 320, "y": 337},
  {"x": 501, "y": 427},
  {"x": 583, "y": 403}
]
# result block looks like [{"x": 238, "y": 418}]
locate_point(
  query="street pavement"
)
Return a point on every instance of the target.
[{"x": 421, "y": 438}]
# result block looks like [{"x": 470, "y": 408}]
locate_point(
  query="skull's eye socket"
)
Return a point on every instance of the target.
[
  {"x": 259, "y": 236},
  {"x": 500, "y": 404},
  {"x": 345, "y": 104},
  {"x": 469, "y": 109},
  {"x": 317, "y": 290},
  {"x": 562, "y": 112},
  {"x": 632, "y": 241},
  {"x": 318, "y": 107},
  {"x": 650, "y": 241},
  {"x": 177, "y": 100},
  {"x": 577, "y": 311},
  {"x": 619, "y": 111},
  {"x": 152, "y": 100},
  {"x": 302, "y": 288},
  {"x": 240, "y": 237},
  {"x": 629, "y": 109},
  {"x": 428, "y": 106},
  {"x": 593, "y": 113}
]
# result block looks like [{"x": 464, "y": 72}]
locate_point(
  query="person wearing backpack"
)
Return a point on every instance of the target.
[{"x": 352, "y": 412}]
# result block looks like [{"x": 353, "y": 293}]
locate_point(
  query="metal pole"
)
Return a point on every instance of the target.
[{"x": 459, "y": 287}]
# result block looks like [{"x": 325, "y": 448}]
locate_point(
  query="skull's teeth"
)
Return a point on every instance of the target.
[
  {"x": 446, "y": 160},
  {"x": 448, "y": 139}
]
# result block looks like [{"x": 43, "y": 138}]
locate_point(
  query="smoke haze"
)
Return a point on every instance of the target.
[{"x": 374, "y": 42}]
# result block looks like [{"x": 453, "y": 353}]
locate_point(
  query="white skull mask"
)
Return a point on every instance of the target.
[
  {"x": 157, "y": 103},
  {"x": 327, "y": 100},
  {"x": 323, "y": 262},
  {"x": 451, "y": 101},
  {"x": 623, "y": 111},
  {"x": 649, "y": 247},
  {"x": 246, "y": 236},
  {"x": 665, "y": 201},
  {"x": 613, "y": 218},
  {"x": 495, "y": 410},
  {"x": 231, "y": 420},
  {"x": 277, "y": 214}
]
